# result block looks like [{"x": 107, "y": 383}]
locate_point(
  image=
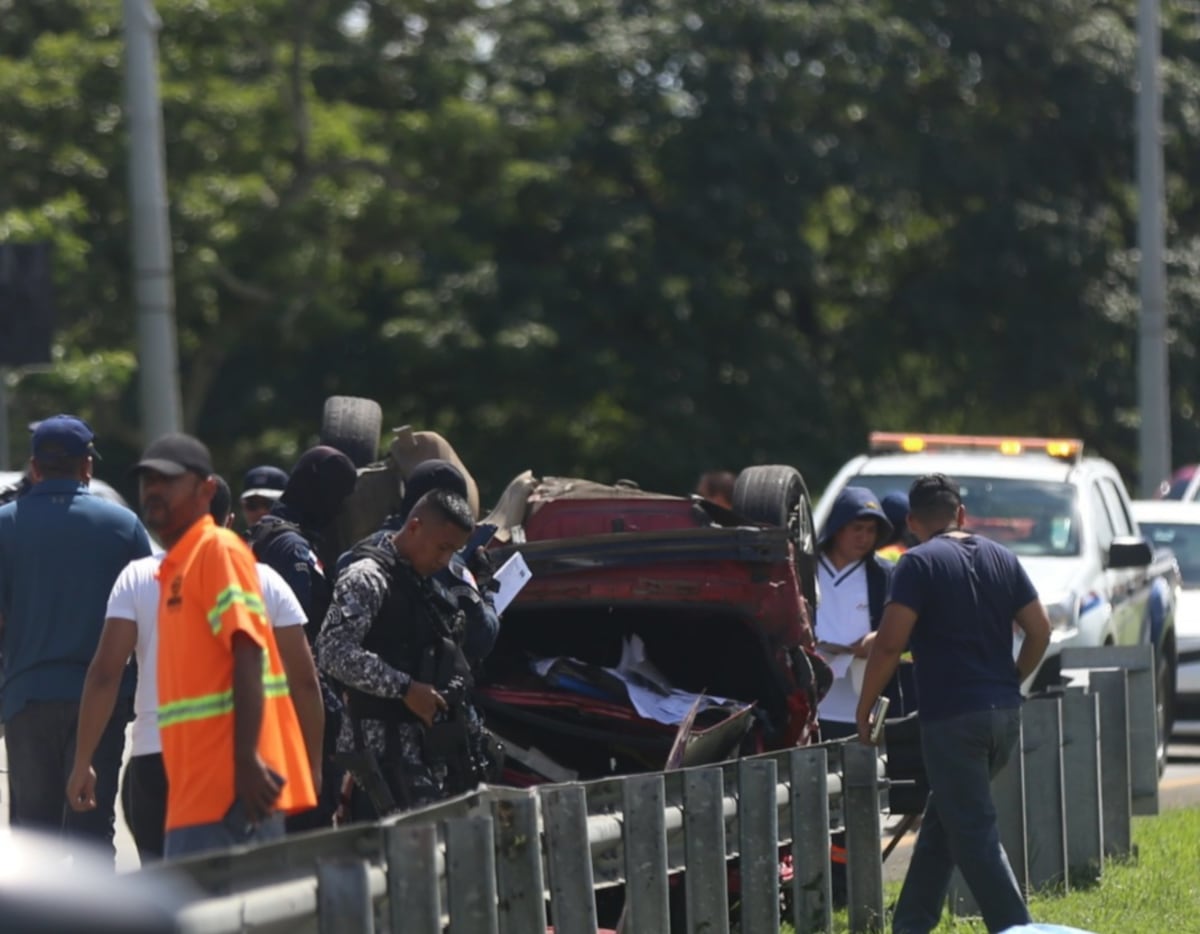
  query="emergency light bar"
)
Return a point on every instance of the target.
[{"x": 1064, "y": 448}]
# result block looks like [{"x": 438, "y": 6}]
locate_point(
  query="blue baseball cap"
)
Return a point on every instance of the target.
[
  {"x": 63, "y": 436},
  {"x": 265, "y": 481}
]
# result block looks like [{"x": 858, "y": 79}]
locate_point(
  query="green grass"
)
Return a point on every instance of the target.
[{"x": 1155, "y": 892}]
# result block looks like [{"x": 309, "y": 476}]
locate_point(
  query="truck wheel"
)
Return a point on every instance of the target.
[
  {"x": 353, "y": 424},
  {"x": 776, "y": 494}
]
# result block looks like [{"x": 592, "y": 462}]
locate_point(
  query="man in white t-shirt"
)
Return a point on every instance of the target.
[
  {"x": 853, "y": 584},
  {"x": 131, "y": 627}
]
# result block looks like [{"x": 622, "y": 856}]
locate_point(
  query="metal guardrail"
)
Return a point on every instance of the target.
[
  {"x": 1088, "y": 762},
  {"x": 490, "y": 861}
]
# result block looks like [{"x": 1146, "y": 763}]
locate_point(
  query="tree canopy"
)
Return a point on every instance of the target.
[{"x": 612, "y": 238}]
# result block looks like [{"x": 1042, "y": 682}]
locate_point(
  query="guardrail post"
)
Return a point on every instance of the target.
[
  {"x": 812, "y": 897},
  {"x": 344, "y": 898},
  {"x": 1116, "y": 809},
  {"x": 572, "y": 901},
  {"x": 645, "y": 832},
  {"x": 519, "y": 865},
  {"x": 1008, "y": 794},
  {"x": 864, "y": 865},
  {"x": 758, "y": 845},
  {"x": 1138, "y": 662},
  {"x": 1081, "y": 774},
  {"x": 706, "y": 883},
  {"x": 414, "y": 902},
  {"x": 471, "y": 876},
  {"x": 1045, "y": 821}
]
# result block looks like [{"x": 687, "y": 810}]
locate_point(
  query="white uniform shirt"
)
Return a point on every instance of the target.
[
  {"x": 135, "y": 596},
  {"x": 843, "y": 617}
]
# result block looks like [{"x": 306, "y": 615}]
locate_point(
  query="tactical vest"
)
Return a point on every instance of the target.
[{"x": 418, "y": 631}]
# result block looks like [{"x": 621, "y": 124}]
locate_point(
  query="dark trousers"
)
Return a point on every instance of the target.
[
  {"x": 962, "y": 754},
  {"x": 41, "y": 751},
  {"x": 144, "y": 798}
]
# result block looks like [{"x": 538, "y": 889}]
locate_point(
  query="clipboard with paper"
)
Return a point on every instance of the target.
[{"x": 512, "y": 576}]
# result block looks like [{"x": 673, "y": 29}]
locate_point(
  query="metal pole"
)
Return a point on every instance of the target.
[
  {"x": 1154, "y": 436},
  {"x": 4, "y": 439},
  {"x": 157, "y": 352}
]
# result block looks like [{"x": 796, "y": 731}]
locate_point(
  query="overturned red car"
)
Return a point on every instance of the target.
[{"x": 641, "y": 606}]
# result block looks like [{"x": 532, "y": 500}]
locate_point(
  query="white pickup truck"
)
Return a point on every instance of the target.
[{"x": 1066, "y": 516}]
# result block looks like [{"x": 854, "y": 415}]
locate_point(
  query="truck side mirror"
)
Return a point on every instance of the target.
[{"x": 1129, "y": 551}]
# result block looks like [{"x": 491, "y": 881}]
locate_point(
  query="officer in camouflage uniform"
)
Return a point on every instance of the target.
[{"x": 393, "y": 639}]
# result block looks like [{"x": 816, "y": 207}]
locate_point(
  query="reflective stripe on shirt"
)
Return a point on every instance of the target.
[
  {"x": 207, "y": 706},
  {"x": 227, "y": 598}
]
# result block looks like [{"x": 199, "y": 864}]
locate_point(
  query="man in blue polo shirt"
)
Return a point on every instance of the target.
[
  {"x": 61, "y": 549},
  {"x": 956, "y": 596}
]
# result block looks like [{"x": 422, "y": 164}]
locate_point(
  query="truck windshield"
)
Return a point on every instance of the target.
[
  {"x": 1033, "y": 518},
  {"x": 1182, "y": 538}
]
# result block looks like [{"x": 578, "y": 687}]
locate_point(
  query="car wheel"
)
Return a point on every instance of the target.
[
  {"x": 1164, "y": 693},
  {"x": 776, "y": 494},
  {"x": 353, "y": 424}
]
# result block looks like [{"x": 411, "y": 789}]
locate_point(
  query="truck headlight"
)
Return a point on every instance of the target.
[{"x": 1063, "y": 612}]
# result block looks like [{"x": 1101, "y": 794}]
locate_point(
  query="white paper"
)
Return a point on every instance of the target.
[
  {"x": 512, "y": 576},
  {"x": 858, "y": 668},
  {"x": 839, "y": 664},
  {"x": 650, "y": 693},
  {"x": 649, "y": 690},
  {"x": 634, "y": 662}
]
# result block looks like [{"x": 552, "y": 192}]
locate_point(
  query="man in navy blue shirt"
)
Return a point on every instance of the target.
[
  {"x": 61, "y": 549},
  {"x": 955, "y": 598}
]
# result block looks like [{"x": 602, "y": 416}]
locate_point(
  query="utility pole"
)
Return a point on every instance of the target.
[
  {"x": 5, "y": 441},
  {"x": 1154, "y": 433},
  {"x": 158, "y": 366}
]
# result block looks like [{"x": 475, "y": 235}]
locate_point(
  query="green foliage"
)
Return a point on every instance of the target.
[
  {"x": 620, "y": 239},
  {"x": 1154, "y": 892}
]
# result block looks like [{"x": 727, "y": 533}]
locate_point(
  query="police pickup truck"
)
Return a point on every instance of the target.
[{"x": 1066, "y": 516}]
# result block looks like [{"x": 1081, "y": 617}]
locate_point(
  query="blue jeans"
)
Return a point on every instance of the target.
[
  {"x": 961, "y": 755},
  {"x": 231, "y": 830},
  {"x": 41, "y": 751}
]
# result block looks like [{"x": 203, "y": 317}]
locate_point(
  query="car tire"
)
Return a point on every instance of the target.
[
  {"x": 353, "y": 425},
  {"x": 777, "y": 495}
]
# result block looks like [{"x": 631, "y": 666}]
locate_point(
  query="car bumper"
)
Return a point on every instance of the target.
[{"x": 1187, "y": 688}]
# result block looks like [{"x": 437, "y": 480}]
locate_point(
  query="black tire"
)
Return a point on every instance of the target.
[
  {"x": 353, "y": 425},
  {"x": 776, "y": 494}
]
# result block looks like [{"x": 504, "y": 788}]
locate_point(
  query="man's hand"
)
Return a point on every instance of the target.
[
  {"x": 424, "y": 700},
  {"x": 863, "y": 721},
  {"x": 862, "y": 648},
  {"x": 81, "y": 788},
  {"x": 257, "y": 788}
]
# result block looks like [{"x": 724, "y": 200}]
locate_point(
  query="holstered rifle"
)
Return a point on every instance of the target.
[{"x": 364, "y": 766}]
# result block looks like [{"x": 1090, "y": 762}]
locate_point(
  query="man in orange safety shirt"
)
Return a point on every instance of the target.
[{"x": 232, "y": 746}]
